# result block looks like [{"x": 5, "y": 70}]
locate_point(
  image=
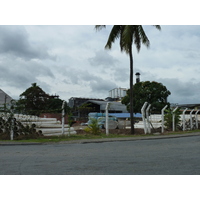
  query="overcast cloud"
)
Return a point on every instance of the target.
[{"x": 71, "y": 61}]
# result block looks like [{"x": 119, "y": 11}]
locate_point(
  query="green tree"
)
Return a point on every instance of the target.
[
  {"x": 54, "y": 105},
  {"x": 128, "y": 34},
  {"x": 34, "y": 100},
  {"x": 152, "y": 92}
]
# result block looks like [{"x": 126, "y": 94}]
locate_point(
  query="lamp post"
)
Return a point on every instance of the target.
[{"x": 137, "y": 77}]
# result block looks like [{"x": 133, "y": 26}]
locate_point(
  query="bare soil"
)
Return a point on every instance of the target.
[
  {"x": 138, "y": 131},
  {"x": 80, "y": 130}
]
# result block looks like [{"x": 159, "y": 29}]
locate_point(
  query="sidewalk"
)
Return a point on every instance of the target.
[{"x": 84, "y": 141}]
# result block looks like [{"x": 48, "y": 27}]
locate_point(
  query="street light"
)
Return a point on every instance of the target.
[{"x": 137, "y": 77}]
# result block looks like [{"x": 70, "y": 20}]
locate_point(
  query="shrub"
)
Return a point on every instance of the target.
[
  {"x": 169, "y": 117},
  {"x": 93, "y": 127}
]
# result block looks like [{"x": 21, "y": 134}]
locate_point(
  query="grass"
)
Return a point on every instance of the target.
[
  {"x": 72, "y": 137},
  {"x": 90, "y": 136}
]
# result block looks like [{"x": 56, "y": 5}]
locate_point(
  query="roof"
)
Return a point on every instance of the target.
[
  {"x": 125, "y": 115},
  {"x": 4, "y": 97},
  {"x": 114, "y": 106},
  {"x": 189, "y": 105}
]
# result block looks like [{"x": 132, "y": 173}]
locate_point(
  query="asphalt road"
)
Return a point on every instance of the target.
[{"x": 171, "y": 156}]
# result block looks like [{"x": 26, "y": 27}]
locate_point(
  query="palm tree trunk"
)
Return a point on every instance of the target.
[{"x": 131, "y": 90}]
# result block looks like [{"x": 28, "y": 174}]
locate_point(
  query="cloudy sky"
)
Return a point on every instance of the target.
[{"x": 70, "y": 61}]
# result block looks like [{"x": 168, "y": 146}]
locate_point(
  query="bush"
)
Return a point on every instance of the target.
[
  {"x": 169, "y": 118},
  {"x": 93, "y": 127}
]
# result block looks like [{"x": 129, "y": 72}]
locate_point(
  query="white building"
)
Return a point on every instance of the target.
[{"x": 117, "y": 93}]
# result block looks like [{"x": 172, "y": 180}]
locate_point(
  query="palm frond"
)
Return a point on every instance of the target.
[
  {"x": 99, "y": 27},
  {"x": 127, "y": 35},
  {"x": 143, "y": 36},
  {"x": 114, "y": 34},
  {"x": 122, "y": 42},
  {"x": 137, "y": 38},
  {"x": 127, "y": 38},
  {"x": 158, "y": 27}
]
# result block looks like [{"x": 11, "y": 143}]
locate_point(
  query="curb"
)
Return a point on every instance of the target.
[{"x": 85, "y": 141}]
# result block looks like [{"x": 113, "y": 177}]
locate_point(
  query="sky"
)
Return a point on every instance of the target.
[{"x": 71, "y": 61}]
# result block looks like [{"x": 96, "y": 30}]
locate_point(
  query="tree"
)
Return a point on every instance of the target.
[
  {"x": 152, "y": 92},
  {"x": 127, "y": 35},
  {"x": 84, "y": 109},
  {"x": 54, "y": 105},
  {"x": 34, "y": 100}
]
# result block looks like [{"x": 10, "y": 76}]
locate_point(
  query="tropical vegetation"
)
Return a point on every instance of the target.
[
  {"x": 128, "y": 34},
  {"x": 153, "y": 92},
  {"x": 35, "y": 100}
]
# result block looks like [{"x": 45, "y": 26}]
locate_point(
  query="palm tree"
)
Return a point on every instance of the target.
[{"x": 127, "y": 35}]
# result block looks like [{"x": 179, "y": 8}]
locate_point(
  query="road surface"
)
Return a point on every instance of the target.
[{"x": 173, "y": 156}]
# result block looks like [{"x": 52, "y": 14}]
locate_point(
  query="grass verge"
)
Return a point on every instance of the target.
[{"x": 90, "y": 136}]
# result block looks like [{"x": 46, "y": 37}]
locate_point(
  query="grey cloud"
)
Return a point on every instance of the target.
[
  {"x": 121, "y": 73},
  {"x": 182, "y": 92},
  {"x": 72, "y": 76},
  {"x": 108, "y": 64},
  {"x": 101, "y": 85},
  {"x": 78, "y": 76},
  {"x": 102, "y": 58},
  {"x": 21, "y": 74},
  {"x": 96, "y": 83},
  {"x": 14, "y": 40}
]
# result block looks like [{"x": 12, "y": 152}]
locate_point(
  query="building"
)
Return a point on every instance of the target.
[
  {"x": 78, "y": 101},
  {"x": 117, "y": 93},
  {"x": 82, "y": 106},
  {"x": 100, "y": 106},
  {"x": 189, "y": 106},
  {"x": 79, "y": 110},
  {"x": 4, "y": 98}
]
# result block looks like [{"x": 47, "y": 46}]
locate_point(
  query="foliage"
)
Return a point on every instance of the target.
[
  {"x": 128, "y": 34},
  {"x": 84, "y": 109},
  {"x": 70, "y": 119},
  {"x": 55, "y": 105},
  {"x": 152, "y": 92},
  {"x": 34, "y": 101},
  {"x": 93, "y": 126},
  {"x": 169, "y": 118}
]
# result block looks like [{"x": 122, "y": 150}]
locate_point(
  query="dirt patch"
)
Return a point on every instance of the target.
[
  {"x": 80, "y": 130},
  {"x": 138, "y": 131},
  {"x": 6, "y": 136}
]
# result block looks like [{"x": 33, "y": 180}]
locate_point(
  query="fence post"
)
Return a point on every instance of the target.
[
  {"x": 191, "y": 126},
  {"x": 162, "y": 115},
  {"x": 183, "y": 120},
  {"x": 107, "y": 128},
  {"x": 196, "y": 117},
  {"x": 11, "y": 126},
  {"x": 143, "y": 116},
  {"x": 173, "y": 118},
  {"x": 63, "y": 118},
  {"x": 147, "y": 116}
]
